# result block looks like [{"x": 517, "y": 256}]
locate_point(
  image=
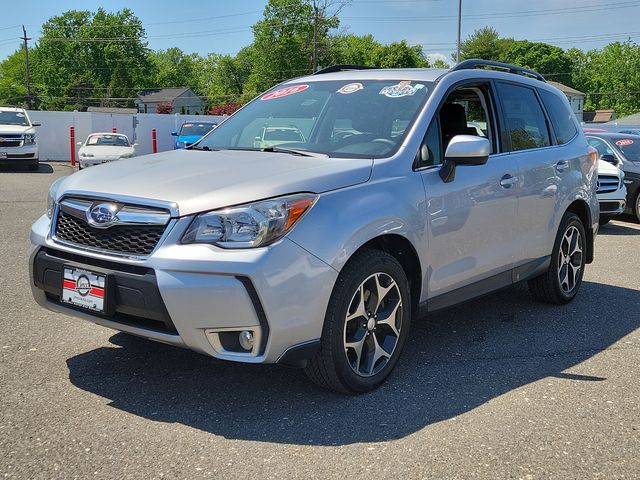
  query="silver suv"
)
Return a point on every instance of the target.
[{"x": 412, "y": 191}]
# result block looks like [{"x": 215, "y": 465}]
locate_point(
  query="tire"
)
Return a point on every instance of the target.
[
  {"x": 357, "y": 324},
  {"x": 548, "y": 287},
  {"x": 636, "y": 207},
  {"x": 33, "y": 167}
]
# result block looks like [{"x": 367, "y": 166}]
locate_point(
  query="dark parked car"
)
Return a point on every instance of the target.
[{"x": 623, "y": 150}]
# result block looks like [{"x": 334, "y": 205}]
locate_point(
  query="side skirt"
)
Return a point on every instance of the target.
[{"x": 484, "y": 287}]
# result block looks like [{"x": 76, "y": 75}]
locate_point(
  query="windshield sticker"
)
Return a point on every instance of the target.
[
  {"x": 283, "y": 92},
  {"x": 350, "y": 88},
  {"x": 624, "y": 142},
  {"x": 402, "y": 89},
  {"x": 20, "y": 115}
]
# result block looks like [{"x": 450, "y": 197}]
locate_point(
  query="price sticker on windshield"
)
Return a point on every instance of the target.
[{"x": 283, "y": 92}]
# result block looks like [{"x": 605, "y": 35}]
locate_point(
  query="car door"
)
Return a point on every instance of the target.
[
  {"x": 547, "y": 163},
  {"x": 470, "y": 219}
]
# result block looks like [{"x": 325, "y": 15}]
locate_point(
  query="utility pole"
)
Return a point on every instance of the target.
[
  {"x": 314, "y": 60},
  {"x": 459, "y": 29},
  {"x": 26, "y": 58}
]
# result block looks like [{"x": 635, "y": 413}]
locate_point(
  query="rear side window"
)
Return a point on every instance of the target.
[
  {"x": 525, "y": 123},
  {"x": 561, "y": 117}
]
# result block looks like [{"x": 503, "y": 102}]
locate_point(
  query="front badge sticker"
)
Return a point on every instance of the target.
[
  {"x": 350, "y": 88},
  {"x": 402, "y": 89},
  {"x": 283, "y": 92}
]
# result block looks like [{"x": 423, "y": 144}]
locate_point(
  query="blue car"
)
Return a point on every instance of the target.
[{"x": 191, "y": 132}]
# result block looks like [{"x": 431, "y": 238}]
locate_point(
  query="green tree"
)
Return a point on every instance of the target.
[
  {"x": 85, "y": 48},
  {"x": 547, "y": 59},
  {"x": 13, "y": 89},
  {"x": 484, "y": 43},
  {"x": 174, "y": 68},
  {"x": 400, "y": 55},
  {"x": 353, "y": 50}
]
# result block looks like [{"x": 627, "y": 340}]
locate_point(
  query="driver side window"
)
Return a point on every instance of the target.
[{"x": 464, "y": 112}]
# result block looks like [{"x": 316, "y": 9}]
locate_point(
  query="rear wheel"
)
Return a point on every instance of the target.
[
  {"x": 366, "y": 325},
  {"x": 561, "y": 282},
  {"x": 636, "y": 209}
]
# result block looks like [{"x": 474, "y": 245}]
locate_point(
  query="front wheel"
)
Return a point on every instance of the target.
[
  {"x": 636, "y": 209},
  {"x": 366, "y": 325},
  {"x": 560, "y": 283}
]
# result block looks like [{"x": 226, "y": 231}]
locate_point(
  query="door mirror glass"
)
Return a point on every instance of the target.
[
  {"x": 464, "y": 150},
  {"x": 174, "y": 133}
]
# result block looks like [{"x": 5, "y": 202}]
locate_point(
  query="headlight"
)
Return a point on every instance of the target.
[
  {"x": 248, "y": 226},
  {"x": 52, "y": 196},
  {"x": 29, "y": 138}
]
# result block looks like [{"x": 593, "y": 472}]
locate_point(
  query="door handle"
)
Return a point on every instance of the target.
[
  {"x": 508, "y": 180},
  {"x": 561, "y": 165}
]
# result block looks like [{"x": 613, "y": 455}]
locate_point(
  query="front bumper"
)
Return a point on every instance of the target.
[
  {"x": 25, "y": 154},
  {"x": 86, "y": 162},
  {"x": 279, "y": 292}
]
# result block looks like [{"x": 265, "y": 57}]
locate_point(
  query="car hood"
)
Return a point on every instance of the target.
[
  {"x": 605, "y": 168},
  {"x": 106, "y": 150},
  {"x": 189, "y": 138},
  {"x": 197, "y": 181},
  {"x": 16, "y": 129}
]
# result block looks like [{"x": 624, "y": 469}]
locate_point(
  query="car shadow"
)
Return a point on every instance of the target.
[
  {"x": 618, "y": 228},
  {"x": 453, "y": 362},
  {"x": 42, "y": 168}
]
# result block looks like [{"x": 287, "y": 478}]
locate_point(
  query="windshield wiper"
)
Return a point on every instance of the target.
[
  {"x": 292, "y": 151},
  {"x": 204, "y": 148}
]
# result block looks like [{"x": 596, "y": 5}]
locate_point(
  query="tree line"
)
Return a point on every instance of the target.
[{"x": 101, "y": 58}]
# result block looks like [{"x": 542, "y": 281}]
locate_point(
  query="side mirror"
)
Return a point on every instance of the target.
[
  {"x": 135, "y": 145},
  {"x": 79, "y": 144},
  {"x": 35, "y": 124},
  {"x": 174, "y": 133},
  {"x": 610, "y": 159},
  {"x": 464, "y": 150}
]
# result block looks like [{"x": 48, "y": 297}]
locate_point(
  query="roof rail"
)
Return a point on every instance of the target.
[
  {"x": 341, "y": 68},
  {"x": 478, "y": 63}
]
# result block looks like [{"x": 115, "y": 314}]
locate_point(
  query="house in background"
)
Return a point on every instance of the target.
[
  {"x": 599, "y": 116},
  {"x": 575, "y": 97},
  {"x": 182, "y": 100}
]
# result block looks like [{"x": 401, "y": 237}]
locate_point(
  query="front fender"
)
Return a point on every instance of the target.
[{"x": 344, "y": 220}]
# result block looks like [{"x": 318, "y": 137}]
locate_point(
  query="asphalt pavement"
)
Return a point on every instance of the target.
[{"x": 501, "y": 387}]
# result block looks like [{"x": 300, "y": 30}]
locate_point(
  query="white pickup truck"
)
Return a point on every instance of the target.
[{"x": 18, "y": 144}]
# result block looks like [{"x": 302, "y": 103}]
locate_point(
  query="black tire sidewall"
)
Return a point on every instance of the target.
[
  {"x": 354, "y": 275},
  {"x": 568, "y": 221}
]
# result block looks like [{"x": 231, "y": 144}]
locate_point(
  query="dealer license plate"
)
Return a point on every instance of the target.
[{"x": 83, "y": 288}]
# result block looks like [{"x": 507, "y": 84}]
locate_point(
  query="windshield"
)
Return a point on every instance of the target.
[
  {"x": 13, "y": 118},
  {"x": 108, "y": 140},
  {"x": 630, "y": 147},
  {"x": 196, "y": 129},
  {"x": 365, "y": 119}
]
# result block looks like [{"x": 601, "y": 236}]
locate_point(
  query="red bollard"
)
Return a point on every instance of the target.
[
  {"x": 154, "y": 141},
  {"x": 114, "y": 130},
  {"x": 72, "y": 144}
]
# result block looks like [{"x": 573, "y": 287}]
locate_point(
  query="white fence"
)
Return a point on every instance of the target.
[{"x": 53, "y": 135}]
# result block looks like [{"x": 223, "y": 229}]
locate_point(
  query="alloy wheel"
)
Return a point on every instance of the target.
[
  {"x": 372, "y": 325},
  {"x": 570, "y": 259}
]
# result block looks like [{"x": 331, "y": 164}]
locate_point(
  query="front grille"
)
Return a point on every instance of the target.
[
  {"x": 10, "y": 142},
  {"x": 120, "y": 239},
  {"x": 607, "y": 183}
]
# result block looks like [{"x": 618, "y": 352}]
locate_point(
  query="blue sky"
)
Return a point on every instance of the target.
[{"x": 222, "y": 26}]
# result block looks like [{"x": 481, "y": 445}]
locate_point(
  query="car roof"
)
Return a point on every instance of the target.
[
  {"x": 11, "y": 109},
  {"x": 611, "y": 135},
  {"x": 422, "y": 74}
]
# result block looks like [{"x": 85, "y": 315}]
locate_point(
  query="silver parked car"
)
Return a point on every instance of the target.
[{"x": 321, "y": 252}]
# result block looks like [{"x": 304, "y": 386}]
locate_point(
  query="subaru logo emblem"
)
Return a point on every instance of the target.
[{"x": 102, "y": 215}]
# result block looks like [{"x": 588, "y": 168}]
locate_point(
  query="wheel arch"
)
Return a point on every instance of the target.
[
  {"x": 581, "y": 209},
  {"x": 405, "y": 253}
]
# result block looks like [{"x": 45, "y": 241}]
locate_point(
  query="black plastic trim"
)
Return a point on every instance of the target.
[
  {"x": 257, "y": 306},
  {"x": 298, "y": 355},
  {"x": 474, "y": 63},
  {"x": 342, "y": 68}
]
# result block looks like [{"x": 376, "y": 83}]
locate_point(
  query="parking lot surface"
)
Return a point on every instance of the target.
[{"x": 501, "y": 387}]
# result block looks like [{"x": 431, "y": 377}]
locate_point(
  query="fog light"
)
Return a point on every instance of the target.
[{"x": 246, "y": 340}]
